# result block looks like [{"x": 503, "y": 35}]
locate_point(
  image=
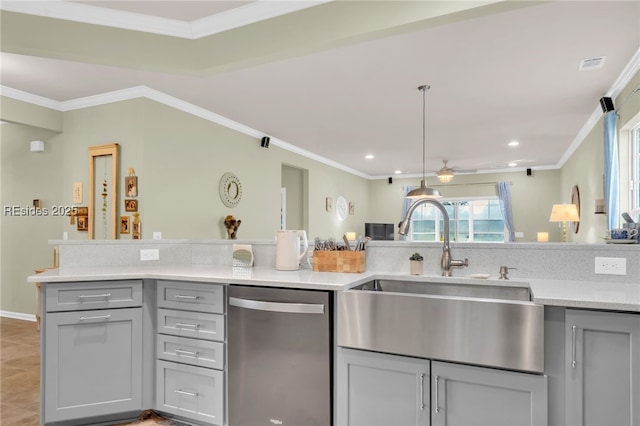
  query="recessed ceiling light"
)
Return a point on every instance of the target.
[
  {"x": 513, "y": 164},
  {"x": 513, "y": 143},
  {"x": 398, "y": 172},
  {"x": 368, "y": 156}
]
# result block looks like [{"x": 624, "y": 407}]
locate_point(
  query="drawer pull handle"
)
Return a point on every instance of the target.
[
  {"x": 421, "y": 391},
  {"x": 183, "y": 352},
  {"x": 184, "y": 296},
  {"x": 573, "y": 346},
  {"x": 181, "y": 392},
  {"x": 95, "y": 318},
  {"x": 435, "y": 399},
  {"x": 90, "y": 296},
  {"x": 187, "y": 325}
]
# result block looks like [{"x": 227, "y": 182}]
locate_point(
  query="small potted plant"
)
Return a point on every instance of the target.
[{"x": 415, "y": 264}]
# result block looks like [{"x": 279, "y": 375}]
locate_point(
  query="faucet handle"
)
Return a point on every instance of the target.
[{"x": 460, "y": 263}]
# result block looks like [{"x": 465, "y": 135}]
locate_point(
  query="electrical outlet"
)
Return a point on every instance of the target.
[
  {"x": 157, "y": 235},
  {"x": 150, "y": 254},
  {"x": 611, "y": 265}
]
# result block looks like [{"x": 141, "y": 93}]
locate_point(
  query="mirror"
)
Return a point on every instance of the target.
[{"x": 103, "y": 191}]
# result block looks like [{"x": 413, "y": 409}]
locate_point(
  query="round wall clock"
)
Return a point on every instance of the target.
[
  {"x": 342, "y": 208},
  {"x": 230, "y": 190}
]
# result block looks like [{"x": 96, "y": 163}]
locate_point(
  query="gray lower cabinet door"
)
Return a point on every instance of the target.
[
  {"x": 376, "y": 389},
  {"x": 602, "y": 369},
  {"x": 92, "y": 363},
  {"x": 193, "y": 392},
  {"x": 468, "y": 395}
]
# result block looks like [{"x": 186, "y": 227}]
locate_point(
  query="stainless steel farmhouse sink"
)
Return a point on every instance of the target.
[{"x": 491, "y": 325}]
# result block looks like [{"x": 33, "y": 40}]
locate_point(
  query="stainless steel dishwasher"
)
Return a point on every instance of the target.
[{"x": 280, "y": 358}]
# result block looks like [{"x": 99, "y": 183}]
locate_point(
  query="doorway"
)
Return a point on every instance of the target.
[{"x": 294, "y": 201}]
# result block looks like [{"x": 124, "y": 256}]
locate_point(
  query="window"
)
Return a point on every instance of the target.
[
  {"x": 634, "y": 181},
  {"x": 476, "y": 220}
]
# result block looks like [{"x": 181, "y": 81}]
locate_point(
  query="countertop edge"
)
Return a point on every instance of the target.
[{"x": 573, "y": 294}]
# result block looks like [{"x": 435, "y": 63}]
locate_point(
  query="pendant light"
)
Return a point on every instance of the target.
[{"x": 423, "y": 191}]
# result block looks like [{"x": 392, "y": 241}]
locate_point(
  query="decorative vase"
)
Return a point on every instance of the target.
[{"x": 416, "y": 267}]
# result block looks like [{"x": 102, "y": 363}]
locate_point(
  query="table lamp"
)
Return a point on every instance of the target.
[{"x": 564, "y": 213}]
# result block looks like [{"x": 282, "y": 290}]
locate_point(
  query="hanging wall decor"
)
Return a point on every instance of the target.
[
  {"x": 131, "y": 183},
  {"x": 137, "y": 226},
  {"x": 124, "y": 225},
  {"x": 131, "y": 205}
]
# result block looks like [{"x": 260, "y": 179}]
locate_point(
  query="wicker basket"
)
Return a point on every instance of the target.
[{"x": 339, "y": 261}]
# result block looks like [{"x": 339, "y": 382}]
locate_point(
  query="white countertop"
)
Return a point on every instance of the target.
[{"x": 581, "y": 294}]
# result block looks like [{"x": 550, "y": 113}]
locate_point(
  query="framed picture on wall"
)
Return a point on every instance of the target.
[
  {"x": 82, "y": 223},
  {"x": 125, "y": 227},
  {"x": 131, "y": 186},
  {"x": 131, "y": 205}
]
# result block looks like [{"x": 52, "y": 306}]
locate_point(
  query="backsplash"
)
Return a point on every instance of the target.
[{"x": 562, "y": 261}]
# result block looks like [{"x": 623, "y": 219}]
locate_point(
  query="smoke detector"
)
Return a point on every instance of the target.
[{"x": 591, "y": 63}]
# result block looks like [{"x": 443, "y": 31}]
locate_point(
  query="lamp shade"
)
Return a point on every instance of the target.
[{"x": 564, "y": 213}]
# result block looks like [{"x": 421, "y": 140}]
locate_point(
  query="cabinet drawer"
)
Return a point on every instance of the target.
[
  {"x": 193, "y": 392},
  {"x": 191, "y": 296},
  {"x": 93, "y": 295},
  {"x": 201, "y": 353},
  {"x": 191, "y": 324}
]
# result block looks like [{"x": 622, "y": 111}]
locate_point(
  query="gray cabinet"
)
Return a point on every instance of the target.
[
  {"x": 377, "y": 389},
  {"x": 380, "y": 390},
  {"x": 602, "y": 368},
  {"x": 190, "y": 370},
  {"x": 468, "y": 395},
  {"x": 92, "y": 359}
]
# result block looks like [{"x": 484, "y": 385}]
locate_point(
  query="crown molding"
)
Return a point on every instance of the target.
[
  {"x": 623, "y": 79},
  {"x": 163, "y": 98},
  {"x": 19, "y": 95},
  {"x": 89, "y": 14}
]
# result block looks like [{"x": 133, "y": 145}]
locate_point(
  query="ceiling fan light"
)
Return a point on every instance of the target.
[
  {"x": 423, "y": 192},
  {"x": 445, "y": 176}
]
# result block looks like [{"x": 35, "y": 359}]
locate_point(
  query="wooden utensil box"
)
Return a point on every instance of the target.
[{"x": 339, "y": 261}]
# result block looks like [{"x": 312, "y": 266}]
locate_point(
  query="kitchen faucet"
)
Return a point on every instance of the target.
[{"x": 446, "y": 263}]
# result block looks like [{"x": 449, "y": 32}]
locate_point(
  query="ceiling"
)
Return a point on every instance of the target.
[{"x": 337, "y": 80}]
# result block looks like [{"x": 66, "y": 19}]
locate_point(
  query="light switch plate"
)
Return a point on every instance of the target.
[{"x": 77, "y": 193}]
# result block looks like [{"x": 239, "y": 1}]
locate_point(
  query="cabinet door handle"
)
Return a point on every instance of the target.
[
  {"x": 183, "y": 352},
  {"x": 181, "y": 392},
  {"x": 95, "y": 318},
  {"x": 187, "y": 325},
  {"x": 88, "y": 296},
  {"x": 435, "y": 398},
  {"x": 421, "y": 391},
  {"x": 573, "y": 346},
  {"x": 184, "y": 296}
]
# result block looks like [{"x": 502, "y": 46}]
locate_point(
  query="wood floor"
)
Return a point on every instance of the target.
[{"x": 19, "y": 373}]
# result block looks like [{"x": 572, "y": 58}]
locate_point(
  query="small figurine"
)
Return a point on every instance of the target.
[{"x": 232, "y": 226}]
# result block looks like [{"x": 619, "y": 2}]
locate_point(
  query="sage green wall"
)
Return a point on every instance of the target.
[
  {"x": 26, "y": 176},
  {"x": 178, "y": 158},
  {"x": 532, "y": 198}
]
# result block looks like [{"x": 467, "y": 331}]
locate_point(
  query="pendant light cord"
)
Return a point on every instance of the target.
[{"x": 424, "y": 89}]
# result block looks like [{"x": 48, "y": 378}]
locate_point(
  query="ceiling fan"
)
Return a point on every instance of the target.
[{"x": 446, "y": 173}]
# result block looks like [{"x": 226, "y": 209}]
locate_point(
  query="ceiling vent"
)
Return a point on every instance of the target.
[{"x": 591, "y": 63}]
